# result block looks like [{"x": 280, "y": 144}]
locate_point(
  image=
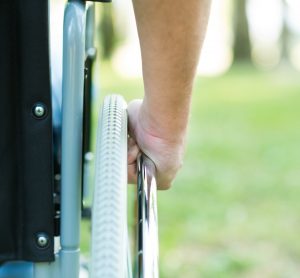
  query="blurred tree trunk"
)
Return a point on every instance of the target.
[
  {"x": 285, "y": 34},
  {"x": 107, "y": 31},
  {"x": 241, "y": 46}
]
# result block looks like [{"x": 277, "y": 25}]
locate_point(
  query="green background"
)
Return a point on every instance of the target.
[{"x": 233, "y": 210}]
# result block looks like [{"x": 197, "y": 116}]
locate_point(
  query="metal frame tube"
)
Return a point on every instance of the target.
[{"x": 72, "y": 114}]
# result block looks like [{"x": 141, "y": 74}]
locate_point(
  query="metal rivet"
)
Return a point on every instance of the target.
[
  {"x": 42, "y": 240},
  {"x": 39, "y": 110}
]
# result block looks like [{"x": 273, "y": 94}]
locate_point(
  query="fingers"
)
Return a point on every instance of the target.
[
  {"x": 133, "y": 110},
  {"x": 163, "y": 182},
  {"x": 133, "y": 151},
  {"x": 163, "y": 185},
  {"x": 132, "y": 154},
  {"x": 167, "y": 171},
  {"x": 132, "y": 174}
]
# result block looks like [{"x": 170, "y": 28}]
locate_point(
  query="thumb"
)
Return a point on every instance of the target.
[{"x": 133, "y": 109}]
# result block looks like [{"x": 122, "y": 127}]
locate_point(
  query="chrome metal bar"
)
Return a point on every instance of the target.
[{"x": 148, "y": 248}]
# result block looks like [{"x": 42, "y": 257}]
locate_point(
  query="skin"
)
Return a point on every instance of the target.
[{"x": 171, "y": 34}]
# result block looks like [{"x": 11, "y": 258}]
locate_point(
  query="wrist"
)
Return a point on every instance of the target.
[{"x": 159, "y": 123}]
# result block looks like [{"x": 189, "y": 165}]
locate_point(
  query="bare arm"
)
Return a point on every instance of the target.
[{"x": 171, "y": 33}]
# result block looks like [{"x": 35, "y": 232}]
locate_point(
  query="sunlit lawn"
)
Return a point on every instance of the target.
[{"x": 234, "y": 210}]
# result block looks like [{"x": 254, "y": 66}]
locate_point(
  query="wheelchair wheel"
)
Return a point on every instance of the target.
[{"x": 109, "y": 214}]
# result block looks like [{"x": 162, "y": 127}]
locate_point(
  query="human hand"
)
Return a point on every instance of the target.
[{"x": 165, "y": 151}]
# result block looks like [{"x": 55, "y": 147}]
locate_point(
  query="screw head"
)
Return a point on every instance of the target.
[
  {"x": 39, "y": 110},
  {"x": 42, "y": 240}
]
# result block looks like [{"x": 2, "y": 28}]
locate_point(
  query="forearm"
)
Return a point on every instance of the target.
[{"x": 171, "y": 33}]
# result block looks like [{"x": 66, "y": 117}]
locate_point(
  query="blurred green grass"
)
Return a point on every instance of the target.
[{"x": 234, "y": 209}]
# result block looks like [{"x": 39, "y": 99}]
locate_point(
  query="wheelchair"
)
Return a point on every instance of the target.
[{"x": 45, "y": 156}]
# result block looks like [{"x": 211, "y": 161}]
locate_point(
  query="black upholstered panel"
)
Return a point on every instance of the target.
[{"x": 26, "y": 191}]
